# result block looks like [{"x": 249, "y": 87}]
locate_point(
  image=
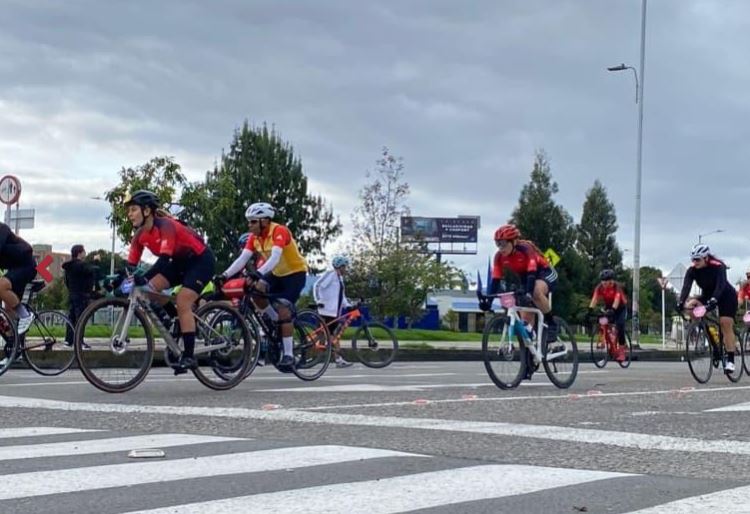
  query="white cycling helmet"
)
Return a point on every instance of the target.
[
  {"x": 340, "y": 261},
  {"x": 700, "y": 251},
  {"x": 259, "y": 210}
]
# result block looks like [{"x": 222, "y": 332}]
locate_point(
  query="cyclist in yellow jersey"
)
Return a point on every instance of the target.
[{"x": 283, "y": 273}]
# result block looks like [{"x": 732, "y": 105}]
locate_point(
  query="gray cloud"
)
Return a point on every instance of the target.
[{"x": 464, "y": 91}]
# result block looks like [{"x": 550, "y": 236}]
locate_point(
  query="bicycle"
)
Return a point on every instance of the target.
[
  {"x": 704, "y": 348},
  {"x": 370, "y": 350},
  {"x": 512, "y": 351},
  {"x": 312, "y": 343},
  {"x": 604, "y": 342},
  {"x": 120, "y": 333},
  {"x": 745, "y": 339},
  {"x": 43, "y": 347}
]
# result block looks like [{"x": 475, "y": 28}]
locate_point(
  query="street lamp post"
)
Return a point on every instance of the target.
[
  {"x": 114, "y": 235},
  {"x": 639, "y": 160},
  {"x": 701, "y": 236}
]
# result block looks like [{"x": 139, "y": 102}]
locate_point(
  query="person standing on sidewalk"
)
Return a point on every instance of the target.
[
  {"x": 331, "y": 299},
  {"x": 81, "y": 281}
]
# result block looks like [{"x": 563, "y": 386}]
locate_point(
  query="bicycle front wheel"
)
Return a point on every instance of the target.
[
  {"x": 113, "y": 357},
  {"x": 698, "y": 352},
  {"x": 224, "y": 348},
  {"x": 8, "y": 340},
  {"x": 48, "y": 344},
  {"x": 599, "y": 353},
  {"x": 744, "y": 341},
  {"x": 739, "y": 360},
  {"x": 505, "y": 358},
  {"x": 375, "y": 344},
  {"x": 312, "y": 346},
  {"x": 561, "y": 356}
]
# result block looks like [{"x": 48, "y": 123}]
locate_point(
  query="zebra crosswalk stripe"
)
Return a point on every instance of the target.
[
  {"x": 89, "y": 447},
  {"x": 401, "y": 494},
  {"x": 120, "y": 475},
  {"x": 727, "y": 501},
  {"x": 39, "y": 431}
]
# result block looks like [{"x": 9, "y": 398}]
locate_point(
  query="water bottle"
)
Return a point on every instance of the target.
[{"x": 714, "y": 334}]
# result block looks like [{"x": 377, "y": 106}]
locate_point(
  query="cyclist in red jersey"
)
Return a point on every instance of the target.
[
  {"x": 183, "y": 258},
  {"x": 525, "y": 260},
  {"x": 743, "y": 294},
  {"x": 615, "y": 300}
]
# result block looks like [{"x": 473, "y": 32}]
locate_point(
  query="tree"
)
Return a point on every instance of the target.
[
  {"x": 54, "y": 296},
  {"x": 537, "y": 215},
  {"x": 549, "y": 225},
  {"x": 103, "y": 264},
  {"x": 161, "y": 175},
  {"x": 259, "y": 167},
  {"x": 377, "y": 219},
  {"x": 596, "y": 241}
]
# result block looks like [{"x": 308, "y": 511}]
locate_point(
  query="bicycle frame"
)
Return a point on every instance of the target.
[
  {"x": 345, "y": 321},
  {"x": 608, "y": 333},
  {"x": 515, "y": 320}
]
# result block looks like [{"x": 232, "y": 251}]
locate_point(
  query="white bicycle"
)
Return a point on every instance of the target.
[{"x": 513, "y": 351}]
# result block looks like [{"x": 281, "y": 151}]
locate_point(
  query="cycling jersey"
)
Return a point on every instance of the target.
[
  {"x": 279, "y": 236},
  {"x": 166, "y": 238},
  {"x": 608, "y": 294},
  {"x": 712, "y": 279},
  {"x": 14, "y": 251},
  {"x": 744, "y": 292}
]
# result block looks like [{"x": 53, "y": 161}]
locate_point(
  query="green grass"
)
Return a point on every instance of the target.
[{"x": 423, "y": 335}]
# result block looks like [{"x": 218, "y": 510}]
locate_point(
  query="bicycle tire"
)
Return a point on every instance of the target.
[
  {"x": 563, "y": 370},
  {"x": 312, "y": 346},
  {"x": 9, "y": 341},
  {"x": 510, "y": 358},
  {"x": 46, "y": 351},
  {"x": 738, "y": 368},
  {"x": 230, "y": 365},
  {"x": 110, "y": 355},
  {"x": 745, "y": 342},
  {"x": 628, "y": 352},
  {"x": 698, "y": 352},
  {"x": 599, "y": 355},
  {"x": 366, "y": 346}
]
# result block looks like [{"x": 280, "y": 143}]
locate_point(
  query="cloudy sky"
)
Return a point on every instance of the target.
[{"x": 463, "y": 91}]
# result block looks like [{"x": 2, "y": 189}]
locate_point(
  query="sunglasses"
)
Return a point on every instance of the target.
[
  {"x": 501, "y": 243},
  {"x": 253, "y": 222},
  {"x": 697, "y": 259}
]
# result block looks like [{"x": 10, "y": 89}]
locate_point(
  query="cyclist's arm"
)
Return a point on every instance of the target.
[
  {"x": 686, "y": 285},
  {"x": 239, "y": 263},
  {"x": 5, "y": 232},
  {"x": 497, "y": 274},
  {"x": 618, "y": 299},
  {"x": 272, "y": 261},
  {"x": 320, "y": 286},
  {"x": 594, "y": 298}
]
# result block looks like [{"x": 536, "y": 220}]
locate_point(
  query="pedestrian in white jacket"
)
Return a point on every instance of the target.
[{"x": 330, "y": 297}]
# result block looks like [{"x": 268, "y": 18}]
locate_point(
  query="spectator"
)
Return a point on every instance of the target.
[{"x": 80, "y": 279}]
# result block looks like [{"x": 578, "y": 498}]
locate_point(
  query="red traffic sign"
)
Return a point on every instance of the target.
[
  {"x": 10, "y": 189},
  {"x": 42, "y": 268}
]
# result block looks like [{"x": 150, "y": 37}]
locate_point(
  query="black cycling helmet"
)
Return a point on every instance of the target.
[
  {"x": 143, "y": 198},
  {"x": 607, "y": 274}
]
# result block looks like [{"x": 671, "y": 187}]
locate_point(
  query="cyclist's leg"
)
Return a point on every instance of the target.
[
  {"x": 727, "y": 311},
  {"x": 543, "y": 286},
  {"x": 12, "y": 286},
  {"x": 289, "y": 288},
  {"x": 621, "y": 316},
  {"x": 198, "y": 273}
]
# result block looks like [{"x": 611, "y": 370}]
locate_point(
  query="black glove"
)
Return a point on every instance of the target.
[
  {"x": 255, "y": 275},
  {"x": 680, "y": 306},
  {"x": 711, "y": 304},
  {"x": 139, "y": 280},
  {"x": 609, "y": 312},
  {"x": 485, "y": 303},
  {"x": 219, "y": 280}
]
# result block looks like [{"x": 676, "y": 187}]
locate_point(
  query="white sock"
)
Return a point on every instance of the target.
[
  {"x": 271, "y": 313},
  {"x": 21, "y": 310},
  {"x": 288, "y": 345}
]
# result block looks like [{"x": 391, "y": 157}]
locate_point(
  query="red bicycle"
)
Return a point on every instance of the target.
[{"x": 604, "y": 344}]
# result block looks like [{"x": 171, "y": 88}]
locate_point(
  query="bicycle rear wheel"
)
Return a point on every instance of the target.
[
  {"x": 625, "y": 362},
  {"x": 109, "y": 363},
  {"x": 46, "y": 347},
  {"x": 739, "y": 361},
  {"x": 375, "y": 344},
  {"x": 225, "y": 351},
  {"x": 599, "y": 353},
  {"x": 698, "y": 352},
  {"x": 505, "y": 358},
  {"x": 744, "y": 341},
  {"x": 312, "y": 346},
  {"x": 9, "y": 342},
  {"x": 561, "y": 356}
]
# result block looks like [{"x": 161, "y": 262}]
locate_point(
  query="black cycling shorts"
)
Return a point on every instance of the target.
[
  {"x": 288, "y": 287},
  {"x": 549, "y": 276},
  {"x": 194, "y": 273},
  {"x": 727, "y": 303},
  {"x": 20, "y": 275}
]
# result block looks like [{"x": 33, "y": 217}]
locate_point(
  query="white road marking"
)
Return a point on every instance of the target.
[
  {"x": 546, "y": 432},
  {"x": 740, "y": 407},
  {"x": 727, "y": 501},
  {"x": 401, "y": 494},
  {"x": 38, "y": 431},
  {"x": 361, "y": 388},
  {"x": 30, "y": 451},
  {"x": 120, "y": 475}
]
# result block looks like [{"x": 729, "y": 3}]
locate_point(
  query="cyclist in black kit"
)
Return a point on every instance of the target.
[{"x": 710, "y": 274}]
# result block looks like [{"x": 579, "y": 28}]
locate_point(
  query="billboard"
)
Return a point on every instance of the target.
[{"x": 439, "y": 230}]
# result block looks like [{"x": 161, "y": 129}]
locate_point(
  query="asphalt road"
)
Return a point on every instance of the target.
[{"x": 432, "y": 436}]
